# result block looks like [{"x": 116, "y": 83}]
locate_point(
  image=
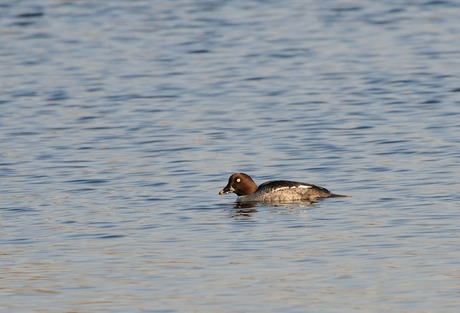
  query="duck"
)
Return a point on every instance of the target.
[{"x": 274, "y": 191}]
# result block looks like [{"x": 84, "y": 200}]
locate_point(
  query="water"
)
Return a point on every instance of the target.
[{"x": 121, "y": 121}]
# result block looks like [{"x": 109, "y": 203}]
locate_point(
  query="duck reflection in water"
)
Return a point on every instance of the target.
[{"x": 247, "y": 209}]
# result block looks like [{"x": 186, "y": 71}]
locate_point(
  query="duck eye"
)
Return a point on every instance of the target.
[{"x": 238, "y": 180}]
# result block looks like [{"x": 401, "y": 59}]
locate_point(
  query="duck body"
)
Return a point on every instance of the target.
[{"x": 274, "y": 190}]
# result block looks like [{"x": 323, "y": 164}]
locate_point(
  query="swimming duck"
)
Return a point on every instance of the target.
[{"x": 274, "y": 190}]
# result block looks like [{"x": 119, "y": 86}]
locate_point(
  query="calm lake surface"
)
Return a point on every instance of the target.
[{"x": 120, "y": 121}]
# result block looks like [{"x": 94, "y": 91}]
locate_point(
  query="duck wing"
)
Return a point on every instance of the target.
[{"x": 276, "y": 185}]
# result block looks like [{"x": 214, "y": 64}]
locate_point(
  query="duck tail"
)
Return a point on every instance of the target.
[{"x": 334, "y": 195}]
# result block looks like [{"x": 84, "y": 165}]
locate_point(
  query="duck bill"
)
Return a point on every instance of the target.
[{"x": 226, "y": 190}]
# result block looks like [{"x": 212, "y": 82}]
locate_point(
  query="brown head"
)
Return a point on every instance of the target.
[{"x": 241, "y": 184}]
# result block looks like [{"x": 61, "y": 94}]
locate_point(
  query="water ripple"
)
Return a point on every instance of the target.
[{"x": 121, "y": 121}]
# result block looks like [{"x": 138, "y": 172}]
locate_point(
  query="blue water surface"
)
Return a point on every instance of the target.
[{"x": 120, "y": 121}]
